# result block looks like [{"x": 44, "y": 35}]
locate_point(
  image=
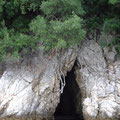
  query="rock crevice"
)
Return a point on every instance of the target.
[{"x": 32, "y": 88}]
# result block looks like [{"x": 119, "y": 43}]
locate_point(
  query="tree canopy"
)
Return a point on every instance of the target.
[{"x": 26, "y": 25}]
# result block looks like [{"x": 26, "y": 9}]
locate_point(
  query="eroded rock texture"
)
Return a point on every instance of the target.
[
  {"x": 31, "y": 88},
  {"x": 98, "y": 77}
]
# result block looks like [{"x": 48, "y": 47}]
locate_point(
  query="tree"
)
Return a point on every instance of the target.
[{"x": 54, "y": 24}]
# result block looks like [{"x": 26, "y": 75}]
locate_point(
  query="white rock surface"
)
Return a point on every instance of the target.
[
  {"x": 99, "y": 83},
  {"x": 32, "y": 88}
]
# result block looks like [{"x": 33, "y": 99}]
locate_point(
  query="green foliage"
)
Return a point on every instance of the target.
[
  {"x": 61, "y": 8},
  {"x": 30, "y": 24},
  {"x": 112, "y": 26},
  {"x": 60, "y": 25},
  {"x": 48, "y": 23},
  {"x": 10, "y": 9},
  {"x": 58, "y": 33},
  {"x": 12, "y": 44},
  {"x": 2, "y": 2},
  {"x": 116, "y": 43},
  {"x": 103, "y": 15},
  {"x": 103, "y": 43},
  {"x": 69, "y": 30},
  {"x": 95, "y": 13},
  {"x": 114, "y": 1},
  {"x": 39, "y": 27},
  {"x": 20, "y": 24}
]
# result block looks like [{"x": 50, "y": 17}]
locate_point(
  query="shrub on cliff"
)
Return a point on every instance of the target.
[
  {"x": 52, "y": 23},
  {"x": 26, "y": 25}
]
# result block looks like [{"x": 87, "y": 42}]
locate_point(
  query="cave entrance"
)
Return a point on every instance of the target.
[{"x": 70, "y": 107}]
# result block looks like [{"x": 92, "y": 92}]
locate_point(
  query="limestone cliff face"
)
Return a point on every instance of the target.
[
  {"x": 99, "y": 82},
  {"x": 31, "y": 89}
]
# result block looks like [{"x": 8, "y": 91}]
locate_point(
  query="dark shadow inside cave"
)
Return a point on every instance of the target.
[{"x": 70, "y": 107}]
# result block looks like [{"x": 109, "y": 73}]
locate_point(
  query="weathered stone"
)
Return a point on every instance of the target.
[
  {"x": 30, "y": 89},
  {"x": 99, "y": 83},
  {"x": 33, "y": 86},
  {"x": 110, "y": 54}
]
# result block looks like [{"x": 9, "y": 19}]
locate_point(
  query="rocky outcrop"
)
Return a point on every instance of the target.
[
  {"x": 99, "y": 81},
  {"x": 30, "y": 89}
]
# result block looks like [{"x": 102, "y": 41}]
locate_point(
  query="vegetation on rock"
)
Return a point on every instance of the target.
[{"x": 27, "y": 25}]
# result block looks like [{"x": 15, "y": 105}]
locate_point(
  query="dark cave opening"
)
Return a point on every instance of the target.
[{"x": 70, "y": 107}]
